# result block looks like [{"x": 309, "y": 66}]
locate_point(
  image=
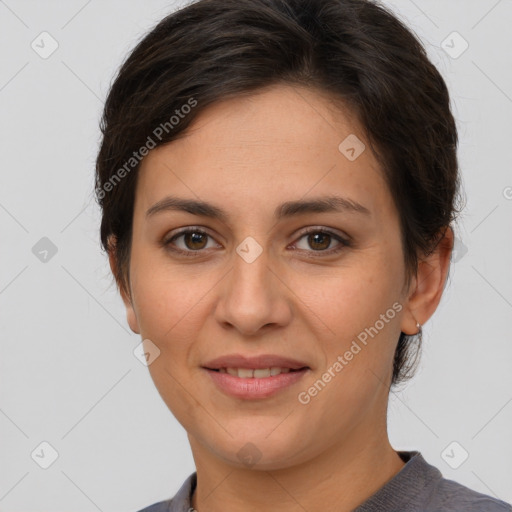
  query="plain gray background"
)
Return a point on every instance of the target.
[{"x": 68, "y": 375}]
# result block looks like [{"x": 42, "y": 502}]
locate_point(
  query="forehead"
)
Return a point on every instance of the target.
[
  {"x": 278, "y": 114},
  {"x": 283, "y": 140}
]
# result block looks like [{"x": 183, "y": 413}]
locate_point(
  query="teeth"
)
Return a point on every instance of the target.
[
  {"x": 247, "y": 373},
  {"x": 261, "y": 372}
]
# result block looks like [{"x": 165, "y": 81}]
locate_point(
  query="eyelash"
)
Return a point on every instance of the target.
[{"x": 190, "y": 253}]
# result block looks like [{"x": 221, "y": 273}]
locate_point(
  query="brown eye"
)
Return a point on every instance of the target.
[
  {"x": 319, "y": 241},
  {"x": 195, "y": 240},
  {"x": 191, "y": 241}
]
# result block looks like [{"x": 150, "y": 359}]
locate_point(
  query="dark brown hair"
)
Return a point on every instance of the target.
[{"x": 356, "y": 51}]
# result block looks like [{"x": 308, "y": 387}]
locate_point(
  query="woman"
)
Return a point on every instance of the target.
[{"x": 278, "y": 182}]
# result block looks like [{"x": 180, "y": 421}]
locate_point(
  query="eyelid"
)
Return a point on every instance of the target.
[
  {"x": 344, "y": 240},
  {"x": 166, "y": 241},
  {"x": 324, "y": 229}
]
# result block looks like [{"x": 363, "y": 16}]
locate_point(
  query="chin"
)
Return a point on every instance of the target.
[{"x": 259, "y": 450}]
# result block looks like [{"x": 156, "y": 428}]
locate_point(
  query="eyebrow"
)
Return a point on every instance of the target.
[{"x": 285, "y": 210}]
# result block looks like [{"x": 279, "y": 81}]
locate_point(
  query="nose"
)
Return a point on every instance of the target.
[{"x": 253, "y": 297}]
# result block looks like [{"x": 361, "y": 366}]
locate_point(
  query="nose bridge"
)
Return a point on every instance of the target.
[
  {"x": 252, "y": 296},
  {"x": 250, "y": 270},
  {"x": 250, "y": 287}
]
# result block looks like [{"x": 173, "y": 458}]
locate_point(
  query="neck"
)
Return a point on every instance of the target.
[{"x": 342, "y": 477}]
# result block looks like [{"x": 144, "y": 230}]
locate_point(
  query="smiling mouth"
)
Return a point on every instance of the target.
[
  {"x": 257, "y": 373},
  {"x": 255, "y": 383}
]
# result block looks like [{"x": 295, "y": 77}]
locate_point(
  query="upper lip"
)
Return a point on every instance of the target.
[{"x": 256, "y": 362}]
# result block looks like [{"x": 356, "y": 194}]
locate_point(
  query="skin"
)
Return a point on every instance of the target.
[{"x": 248, "y": 155}]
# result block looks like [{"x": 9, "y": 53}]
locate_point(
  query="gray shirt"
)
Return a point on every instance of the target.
[{"x": 417, "y": 487}]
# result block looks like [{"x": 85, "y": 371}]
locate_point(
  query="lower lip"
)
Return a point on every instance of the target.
[{"x": 253, "y": 388}]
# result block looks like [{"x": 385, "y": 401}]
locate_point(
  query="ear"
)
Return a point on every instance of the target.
[
  {"x": 428, "y": 284},
  {"x": 130, "y": 312}
]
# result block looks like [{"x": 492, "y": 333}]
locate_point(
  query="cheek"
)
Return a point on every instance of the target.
[
  {"x": 171, "y": 315},
  {"x": 359, "y": 327},
  {"x": 344, "y": 304},
  {"x": 167, "y": 297}
]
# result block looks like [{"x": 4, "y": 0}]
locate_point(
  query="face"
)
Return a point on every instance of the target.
[{"x": 306, "y": 283}]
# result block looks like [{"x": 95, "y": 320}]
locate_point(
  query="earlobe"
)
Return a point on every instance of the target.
[
  {"x": 428, "y": 284},
  {"x": 131, "y": 317},
  {"x": 409, "y": 321}
]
